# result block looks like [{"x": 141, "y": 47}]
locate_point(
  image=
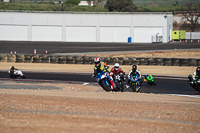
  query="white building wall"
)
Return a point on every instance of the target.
[{"x": 84, "y": 27}]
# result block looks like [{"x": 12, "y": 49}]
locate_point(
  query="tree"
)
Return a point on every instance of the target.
[
  {"x": 121, "y": 5},
  {"x": 97, "y": 2},
  {"x": 192, "y": 17},
  {"x": 73, "y": 2},
  {"x": 89, "y": 2}
]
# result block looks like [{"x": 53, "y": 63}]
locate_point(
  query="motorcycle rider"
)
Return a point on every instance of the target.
[
  {"x": 101, "y": 66},
  {"x": 117, "y": 70},
  {"x": 146, "y": 75},
  {"x": 194, "y": 77},
  {"x": 134, "y": 70},
  {"x": 12, "y": 69}
]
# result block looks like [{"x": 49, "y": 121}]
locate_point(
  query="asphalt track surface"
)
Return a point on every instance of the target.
[
  {"x": 165, "y": 85},
  {"x": 86, "y": 48}
]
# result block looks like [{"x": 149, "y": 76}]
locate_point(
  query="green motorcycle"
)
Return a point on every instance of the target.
[{"x": 149, "y": 79}]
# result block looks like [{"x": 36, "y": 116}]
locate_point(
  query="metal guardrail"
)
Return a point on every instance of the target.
[{"x": 90, "y": 60}]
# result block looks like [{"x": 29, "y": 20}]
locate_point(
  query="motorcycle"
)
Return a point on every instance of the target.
[
  {"x": 119, "y": 81},
  {"x": 149, "y": 80},
  {"x": 135, "y": 82},
  {"x": 102, "y": 79},
  {"x": 194, "y": 83},
  {"x": 197, "y": 82},
  {"x": 17, "y": 74}
]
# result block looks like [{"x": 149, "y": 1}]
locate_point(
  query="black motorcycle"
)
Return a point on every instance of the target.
[
  {"x": 194, "y": 83},
  {"x": 119, "y": 81}
]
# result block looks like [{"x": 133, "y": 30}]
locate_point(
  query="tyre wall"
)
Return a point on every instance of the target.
[{"x": 90, "y": 60}]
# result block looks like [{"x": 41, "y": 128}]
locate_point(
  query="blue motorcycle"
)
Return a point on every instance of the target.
[
  {"x": 102, "y": 79},
  {"x": 135, "y": 82}
]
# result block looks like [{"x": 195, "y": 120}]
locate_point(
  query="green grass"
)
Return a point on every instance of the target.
[
  {"x": 164, "y": 3},
  {"x": 58, "y": 7}
]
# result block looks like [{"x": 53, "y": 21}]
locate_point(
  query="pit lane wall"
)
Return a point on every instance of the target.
[
  {"x": 90, "y": 60},
  {"x": 85, "y": 26}
]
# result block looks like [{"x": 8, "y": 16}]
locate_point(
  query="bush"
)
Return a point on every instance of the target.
[
  {"x": 73, "y": 2},
  {"x": 120, "y": 6}
]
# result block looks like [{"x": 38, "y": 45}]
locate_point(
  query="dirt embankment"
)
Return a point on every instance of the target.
[{"x": 74, "y": 109}]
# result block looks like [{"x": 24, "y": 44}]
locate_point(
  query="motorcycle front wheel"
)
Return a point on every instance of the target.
[
  {"x": 12, "y": 76},
  {"x": 122, "y": 87},
  {"x": 104, "y": 86},
  {"x": 133, "y": 86}
]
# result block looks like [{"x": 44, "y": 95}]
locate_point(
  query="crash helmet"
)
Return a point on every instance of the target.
[
  {"x": 12, "y": 67},
  {"x": 97, "y": 61},
  {"x": 134, "y": 68},
  {"x": 198, "y": 71},
  {"x": 116, "y": 66}
]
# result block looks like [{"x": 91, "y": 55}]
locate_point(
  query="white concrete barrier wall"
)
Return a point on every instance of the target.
[
  {"x": 193, "y": 35},
  {"x": 84, "y": 27}
]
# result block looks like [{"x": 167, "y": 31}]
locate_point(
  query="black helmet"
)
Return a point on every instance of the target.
[
  {"x": 13, "y": 67},
  {"x": 198, "y": 71},
  {"x": 134, "y": 67}
]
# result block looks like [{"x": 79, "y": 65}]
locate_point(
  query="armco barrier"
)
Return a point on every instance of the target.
[{"x": 90, "y": 60}]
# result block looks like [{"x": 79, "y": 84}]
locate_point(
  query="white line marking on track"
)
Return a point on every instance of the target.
[
  {"x": 85, "y": 83},
  {"x": 194, "y": 96}
]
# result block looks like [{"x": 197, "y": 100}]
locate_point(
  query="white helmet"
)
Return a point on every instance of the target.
[
  {"x": 97, "y": 61},
  {"x": 116, "y": 66}
]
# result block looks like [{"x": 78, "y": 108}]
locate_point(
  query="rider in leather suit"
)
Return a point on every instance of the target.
[
  {"x": 194, "y": 77},
  {"x": 134, "y": 70},
  {"x": 117, "y": 70},
  {"x": 101, "y": 66}
]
